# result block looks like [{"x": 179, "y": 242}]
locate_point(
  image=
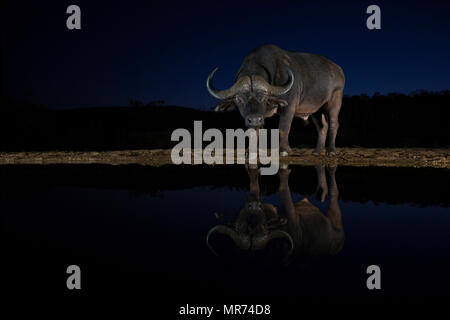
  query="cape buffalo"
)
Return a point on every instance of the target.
[
  {"x": 307, "y": 231},
  {"x": 272, "y": 80}
]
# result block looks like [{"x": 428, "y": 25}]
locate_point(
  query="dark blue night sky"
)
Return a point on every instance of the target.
[{"x": 164, "y": 50}]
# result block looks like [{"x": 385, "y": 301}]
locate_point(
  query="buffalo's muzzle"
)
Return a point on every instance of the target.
[{"x": 254, "y": 121}]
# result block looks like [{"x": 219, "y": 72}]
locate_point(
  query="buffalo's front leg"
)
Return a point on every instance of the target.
[
  {"x": 322, "y": 130},
  {"x": 286, "y": 117},
  {"x": 253, "y": 174},
  {"x": 284, "y": 193}
]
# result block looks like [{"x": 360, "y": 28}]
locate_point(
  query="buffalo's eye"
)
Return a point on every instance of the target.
[
  {"x": 261, "y": 97},
  {"x": 240, "y": 100}
]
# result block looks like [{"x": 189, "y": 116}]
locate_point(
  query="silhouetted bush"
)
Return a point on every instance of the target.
[
  {"x": 418, "y": 186},
  {"x": 396, "y": 120},
  {"x": 419, "y": 119},
  {"x": 137, "y": 103}
]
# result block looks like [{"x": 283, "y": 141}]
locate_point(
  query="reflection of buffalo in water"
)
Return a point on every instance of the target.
[{"x": 302, "y": 226}]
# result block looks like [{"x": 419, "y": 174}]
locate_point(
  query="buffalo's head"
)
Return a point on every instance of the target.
[
  {"x": 253, "y": 229},
  {"x": 255, "y": 98}
]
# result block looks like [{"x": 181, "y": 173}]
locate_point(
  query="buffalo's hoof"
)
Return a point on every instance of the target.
[
  {"x": 251, "y": 166},
  {"x": 284, "y": 171},
  {"x": 283, "y": 154},
  {"x": 332, "y": 168},
  {"x": 332, "y": 152},
  {"x": 318, "y": 152}
]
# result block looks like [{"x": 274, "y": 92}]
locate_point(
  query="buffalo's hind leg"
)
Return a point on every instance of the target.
[
  {"x": 332, "y": 108},
  {"x": 321, "y": 131}
]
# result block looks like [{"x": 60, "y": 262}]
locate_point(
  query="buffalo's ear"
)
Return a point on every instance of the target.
[
  {"x": 227, "y": 105},
  {"x": 276, "y": 102}
]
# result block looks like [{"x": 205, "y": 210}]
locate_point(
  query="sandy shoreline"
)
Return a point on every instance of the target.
[{"x": 392, "y": 157}]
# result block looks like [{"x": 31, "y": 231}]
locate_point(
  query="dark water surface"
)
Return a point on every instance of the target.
[{"x": 142, "y": 230}]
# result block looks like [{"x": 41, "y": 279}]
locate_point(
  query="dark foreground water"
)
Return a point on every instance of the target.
[{"x": 137, "y": 231}]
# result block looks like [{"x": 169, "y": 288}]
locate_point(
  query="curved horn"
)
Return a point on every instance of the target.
[
  {"x": 262, "y": 242},
  {"x": 260, "y": 84},
  {"x": 241, "y": 242},
  {"x": 242, "y": 84}
]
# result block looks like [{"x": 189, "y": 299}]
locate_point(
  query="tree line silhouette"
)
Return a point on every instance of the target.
[
  {"x": 418, "y": 119},
  {"x": 416, "y": 186}
]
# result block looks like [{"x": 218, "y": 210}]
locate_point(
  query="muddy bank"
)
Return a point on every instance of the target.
[{"x": 412, "y": 157}]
